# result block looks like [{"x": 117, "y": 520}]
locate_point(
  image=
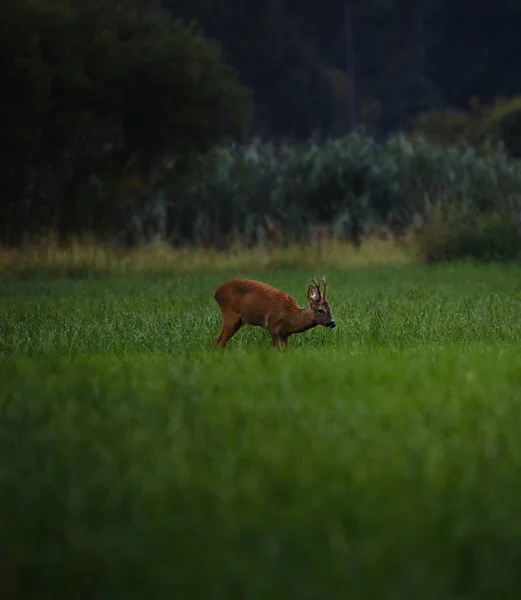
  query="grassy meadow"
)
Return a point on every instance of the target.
[{"x": 380, "y": 460}]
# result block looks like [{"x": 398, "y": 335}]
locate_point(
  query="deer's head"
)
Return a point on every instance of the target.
[{"x": 319, "y": 304}]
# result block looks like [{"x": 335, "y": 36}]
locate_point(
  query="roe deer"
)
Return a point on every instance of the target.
[{"x": 248, "y": 302}]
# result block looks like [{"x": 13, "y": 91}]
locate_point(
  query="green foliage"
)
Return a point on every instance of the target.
[
  {"x": 498, "y": 123},
  {"x": 451, "y": 126},
  {"x": 503, "y": 124},
  {"x": 350, "y": 182},
  {"x": 485, "y": 238},
  {"x": 96, "y": 89},
  {"x": 376, "y": 461}
]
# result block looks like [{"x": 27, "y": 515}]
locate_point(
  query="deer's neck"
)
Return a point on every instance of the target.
[{"x": 302, "y": 320}]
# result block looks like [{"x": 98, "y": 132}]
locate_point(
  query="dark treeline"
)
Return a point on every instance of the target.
[
  {"x": 93, "y": 96},
  {"x": 408, "y": 56},
  {"x": 108, "y": 106}
]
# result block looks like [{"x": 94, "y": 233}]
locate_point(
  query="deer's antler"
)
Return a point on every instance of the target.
[
  {"x": 324, "y": 293},
  {"x": 317, "y": 285}
]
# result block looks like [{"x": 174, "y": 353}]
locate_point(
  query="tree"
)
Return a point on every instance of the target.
[
  {"x": 380, "y": 44},
  {"x": 473, "y": 49},
  {"x": 265, "y": 44},
  {"x": 91, "y": 86}
]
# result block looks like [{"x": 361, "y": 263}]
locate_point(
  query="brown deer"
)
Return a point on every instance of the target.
[{"x": 248, "y": 302}]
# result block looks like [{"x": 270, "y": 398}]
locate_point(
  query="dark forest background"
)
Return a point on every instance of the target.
[
  {"x": 301, "y": 57},
  {"x": 133, "y": 119}
]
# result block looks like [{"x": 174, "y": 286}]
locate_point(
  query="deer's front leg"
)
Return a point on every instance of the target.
[{"x": 279, "y": 340}]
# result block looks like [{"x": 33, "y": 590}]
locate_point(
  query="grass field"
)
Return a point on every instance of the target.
[{"x": 380, "y": 460}]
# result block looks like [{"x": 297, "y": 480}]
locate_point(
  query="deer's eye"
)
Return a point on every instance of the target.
[{"x": 321, "y": 311}]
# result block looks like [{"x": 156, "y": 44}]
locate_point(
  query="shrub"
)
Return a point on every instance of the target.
[
  {"x": 451, "y": 126},
  {"x": 503, "y": 124},
  {"x": 352, "y": 183},
  {"x": 496, "y": 124},
  {"x": 483, "y": 238}
]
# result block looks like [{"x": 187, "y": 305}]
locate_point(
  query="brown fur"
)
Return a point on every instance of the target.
[{"x": 247, "y": 302}]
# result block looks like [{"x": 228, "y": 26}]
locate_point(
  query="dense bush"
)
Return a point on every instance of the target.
[
  {"x": 503, "y": 124},
  {"x": 497, "y": 124},
  {"x": 485, "y": 238},
  {"x": 350, "y": 183},
  {"x": 450, "y": 126},
  {"x": 354, "y": 185}
]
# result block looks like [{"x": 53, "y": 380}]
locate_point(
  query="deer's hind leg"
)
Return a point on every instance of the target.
[{"x": 232, "y": 322}]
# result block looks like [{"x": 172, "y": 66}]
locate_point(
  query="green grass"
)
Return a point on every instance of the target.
[{"x": 381, "y": 460}]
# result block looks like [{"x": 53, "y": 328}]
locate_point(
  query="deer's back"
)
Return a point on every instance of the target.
[{"x": 253, "y": 300}]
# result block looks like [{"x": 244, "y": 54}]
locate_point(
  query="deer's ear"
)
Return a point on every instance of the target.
[{"x": 313, "y": 295}]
